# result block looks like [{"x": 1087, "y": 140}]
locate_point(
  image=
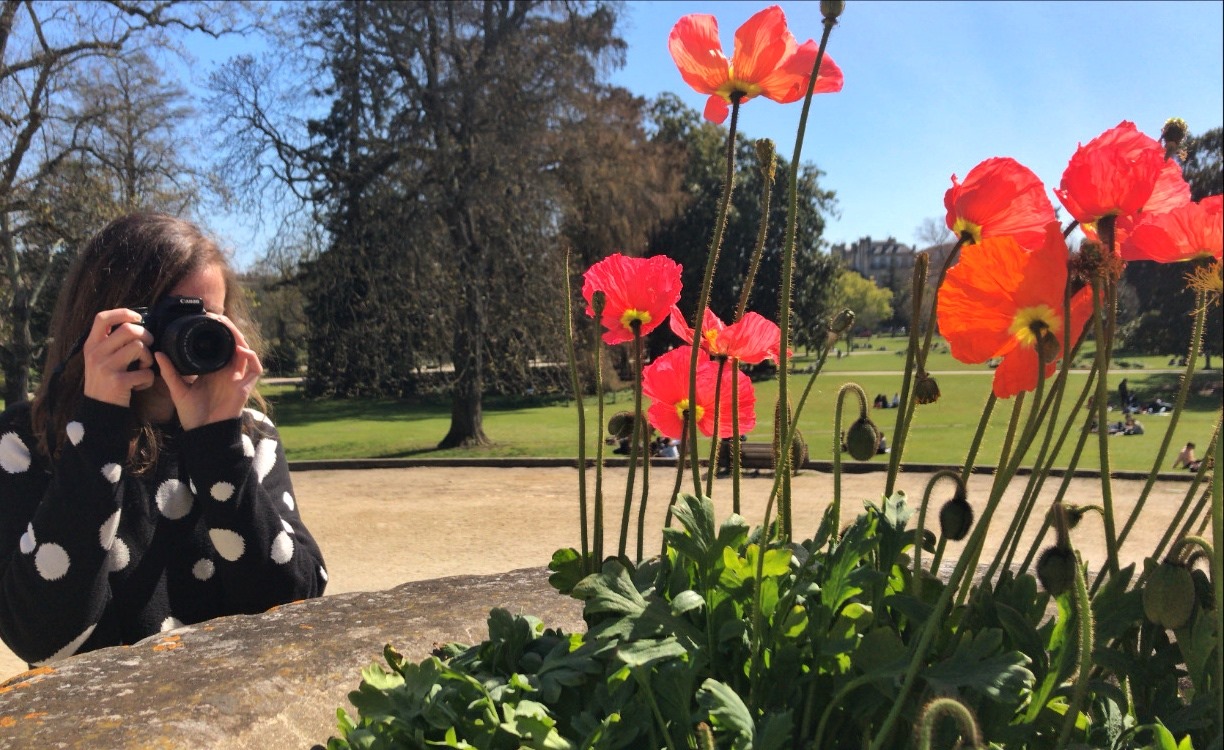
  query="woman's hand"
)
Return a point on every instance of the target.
[
  {"x": 115, "y": 343},
  {"x": 217, "y": 396}
]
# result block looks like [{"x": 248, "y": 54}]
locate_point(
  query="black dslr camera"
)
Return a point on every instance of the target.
[{"x": 194, "y": 342}]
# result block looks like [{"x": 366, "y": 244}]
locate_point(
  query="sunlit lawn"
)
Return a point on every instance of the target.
[{"x": 941, "y": 433}]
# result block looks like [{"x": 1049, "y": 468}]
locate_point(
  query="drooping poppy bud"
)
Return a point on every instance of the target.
[
  {"x": 926, "y": 390},
  {"x": 832, "y": 8},
  {"x": 620, "y": 424},
  {"x": 862, "y": 439},
  {"x": 1168, "y": 595},
  {"x": 1056, "y": 570},
  {"x": 956, "y": 518}
]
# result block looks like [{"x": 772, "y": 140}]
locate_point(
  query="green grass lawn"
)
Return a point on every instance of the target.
[{"x": 391, "y": 428}]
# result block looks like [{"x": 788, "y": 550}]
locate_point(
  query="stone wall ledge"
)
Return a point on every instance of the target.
[{"x": 259, "y": 682}]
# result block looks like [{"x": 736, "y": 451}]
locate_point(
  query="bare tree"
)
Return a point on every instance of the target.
[{"x": 47, "y": 129}]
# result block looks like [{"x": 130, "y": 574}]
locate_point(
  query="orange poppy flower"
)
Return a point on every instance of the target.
[
  {"x": 665, "y": 382},
  {"x": 752, "y": 339},
  {"x": 767, "y": 61},
  {"x": 1190, "y": 231},
  {"x": 1002, "y": 300},
  {"x": 1115, "y": 174},
  {"x": 999, "y": 197},
  {"x": 639, "y": 292}
]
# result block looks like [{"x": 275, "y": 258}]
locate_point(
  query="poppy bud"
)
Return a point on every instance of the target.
[
  {"x": 1168, "y": 595},
  {"x": 862, "y": 439},
  {"x": 1056, "y": 570},
  {"x": 955, "y": 518},
  {"x": 620, "y": 424},
  {"x": 1174, "y": 132},
  {"x": 842, "y": 321},
  {"x": 832, "y": 8},
  {"x": 926, "y": 390}
]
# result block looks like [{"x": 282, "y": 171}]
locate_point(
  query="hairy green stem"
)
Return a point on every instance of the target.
[
  {"x": 922, "y": 512},
  {"x": 954, "y": 709},
  {"x": 571, "y": 354},
  {"x": 1083, "y": 616},
  {"x": 639, "y": 426},
  {"x": 1196, "y": 344},
  {"x": 714, "y": 442},
  {"x": 596, "y": 562},
  {"x": 1101, "y": 407},
  {"x": 837, "y": 433},
  {"x": 907, "y": 404},
  {"x": 703, "y": 301}
]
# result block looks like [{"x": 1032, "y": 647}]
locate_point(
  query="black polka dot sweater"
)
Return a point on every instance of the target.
[{"x": 93, "y": 556}]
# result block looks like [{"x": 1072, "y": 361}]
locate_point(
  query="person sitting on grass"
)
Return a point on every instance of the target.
[{"x": 1186, "y": 458}]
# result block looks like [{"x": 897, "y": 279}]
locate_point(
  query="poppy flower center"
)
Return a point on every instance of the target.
[
  {"x": 746, "y": 89},
  {"x": 711, "y": 337},
  {"x": 631, "y": 316},
  {"x": 682, "y": 406},
  {"x": 964, "y": 227},
  {"x": 1033, "y": 326}
]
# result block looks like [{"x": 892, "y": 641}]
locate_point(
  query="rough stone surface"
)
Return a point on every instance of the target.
[{"x": 258, "y": 681}]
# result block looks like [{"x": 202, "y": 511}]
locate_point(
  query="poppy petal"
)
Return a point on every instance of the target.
[{"x": 695, "y": 48}]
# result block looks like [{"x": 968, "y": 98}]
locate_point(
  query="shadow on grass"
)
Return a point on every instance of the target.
[{"x": 293, "y": 409}]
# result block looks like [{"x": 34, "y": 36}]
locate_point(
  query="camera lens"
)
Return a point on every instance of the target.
[{"x": 198, "y": 344}]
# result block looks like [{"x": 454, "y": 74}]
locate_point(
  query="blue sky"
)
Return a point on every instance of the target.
[{"x": 933, "y": 88}]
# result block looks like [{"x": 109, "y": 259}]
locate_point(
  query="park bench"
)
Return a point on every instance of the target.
[{"x": 758, "y": 456}]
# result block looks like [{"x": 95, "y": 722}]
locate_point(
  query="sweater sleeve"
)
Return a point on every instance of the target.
[
  {"x": 265, "y": 554},
  {"x": 57, "y": 526}
]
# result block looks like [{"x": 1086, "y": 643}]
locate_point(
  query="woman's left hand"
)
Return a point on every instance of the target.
[{"x": 216, "y": 396}]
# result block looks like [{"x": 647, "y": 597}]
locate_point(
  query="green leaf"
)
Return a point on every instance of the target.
[
  {"x": 686, "y": 601},
  {"x": 979, "y": 663},
  {"x": 567, "y": 568},
  {"x": 727, "y": 712},
  {"x": 644, "y": 653}
]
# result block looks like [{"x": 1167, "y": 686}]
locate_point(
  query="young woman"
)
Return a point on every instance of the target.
[{"x": 135, "y": 499}]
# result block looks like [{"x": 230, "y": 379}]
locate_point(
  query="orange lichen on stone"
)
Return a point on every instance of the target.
[
  {"x": 35, "y": 715},
  {"x": 7, "y": 721},
  {"x": 169, "y": 643},
  {"x": 304, "y": 626}
]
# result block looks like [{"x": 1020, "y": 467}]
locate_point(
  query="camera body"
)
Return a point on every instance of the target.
[{"x": 195, "y": 343}]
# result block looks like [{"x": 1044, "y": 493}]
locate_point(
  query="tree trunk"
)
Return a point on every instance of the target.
[
  {"x": 16, "y": 354},
  {"x": 467, "y": 411}
]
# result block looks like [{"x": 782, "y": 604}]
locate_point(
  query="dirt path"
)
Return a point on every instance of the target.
[{"x": 382, "y": 527}]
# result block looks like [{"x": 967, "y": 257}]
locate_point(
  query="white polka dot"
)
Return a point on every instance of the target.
[
  {"x": 222, "y": 491},
  {"x": 265, "y": 458},
  {"x": 323, "y": 574},
  {"x": 203, "y": 569},
  {"x": 287, "y": 527},
  {"x": 52, "y": 562},
  {"x": 112, "y": 472},
  {"x": 28, "y": 542},
  {"x": 14, "y": 455},
  {"x": 248, "y": 447},
  {"x": 289, "y": 503},
  {"x": 75, "y": 431},
  {"x": 119, "y": 556},
  {"x": 71, "y": 648},
  {"x": 106, "y": 534},
  {"x": 191, "y": 486},
  {"x": 227, "y": 543},
  {"x": 171, "y": 623},
  {"x": 258, "y": 415},
  {"x": 174, "y": 500},
  {"x": 282, "y": 548}
]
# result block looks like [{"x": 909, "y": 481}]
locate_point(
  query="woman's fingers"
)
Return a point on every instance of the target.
[{"x": 117, "y": 357}]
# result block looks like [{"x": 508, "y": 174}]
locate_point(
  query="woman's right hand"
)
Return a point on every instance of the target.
[{"x": 115, "y": 342}]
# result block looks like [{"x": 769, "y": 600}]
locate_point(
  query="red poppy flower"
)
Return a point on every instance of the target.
[
  {"x": 666, "y": 382},
  {"x": 767, "y": 61},
  {"x": 1002, "y": 300},
  {"x": 1114, "y": 175},
  {"x": 1171, "y": 191},
  {"x": 1190, "y": 231},
  {"x": 999, "y": 197},
  {"x": 751, "y": 339},
  {"x": 638, "y": 291}
]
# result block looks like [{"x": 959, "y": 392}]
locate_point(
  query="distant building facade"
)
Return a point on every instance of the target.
[
  {"x": 883, "y": 261},
  {"x": 888, "y": 263}
]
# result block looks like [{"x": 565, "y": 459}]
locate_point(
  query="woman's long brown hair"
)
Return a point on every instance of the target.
[{"x": 131, "y": 262}]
